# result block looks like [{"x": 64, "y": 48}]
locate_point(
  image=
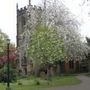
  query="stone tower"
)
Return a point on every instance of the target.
[
  {"x": 21, "y": 21},
  {"x": 29, "y": 2},
  {"x": 27, "y": 19}
]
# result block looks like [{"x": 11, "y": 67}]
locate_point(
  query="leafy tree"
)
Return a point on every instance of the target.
[
  {"x": 3, "y": 41},
  {"x": 46, "y": 47}
]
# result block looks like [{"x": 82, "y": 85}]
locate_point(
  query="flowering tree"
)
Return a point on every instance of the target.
[
  {"x": 3, "y": 65},
  {"x": 3, "y": 49},
  {"x": 46, "y": 47},
  {"x": 3, "y": 59},
  {"x": 12, "y": 57},
  {"x": 60, "y": 18},
  {"x": 55, "y": 15}
]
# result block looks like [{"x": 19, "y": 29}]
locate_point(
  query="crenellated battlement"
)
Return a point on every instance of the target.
[{"x": 23, "y": 10}]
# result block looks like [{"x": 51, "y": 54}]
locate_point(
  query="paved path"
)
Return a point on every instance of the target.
[{"x": 85, "y": 85}]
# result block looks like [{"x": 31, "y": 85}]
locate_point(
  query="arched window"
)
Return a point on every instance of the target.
[{"x": 71, "y": 64}]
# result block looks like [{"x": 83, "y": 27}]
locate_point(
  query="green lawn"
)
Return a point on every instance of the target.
[{"x": 30, "y": 83}]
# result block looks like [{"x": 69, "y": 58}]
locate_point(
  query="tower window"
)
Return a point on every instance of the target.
[{"x": 23, "y": 21}]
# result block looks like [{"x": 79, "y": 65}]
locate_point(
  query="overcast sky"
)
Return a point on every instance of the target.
[{"x": 8, "y": 15}]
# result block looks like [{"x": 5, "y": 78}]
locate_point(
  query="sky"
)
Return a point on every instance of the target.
[
  {"x": 8, "y": 15},
  {"x": 81, "y": 12},
  {"x": 7, "y": 18}
]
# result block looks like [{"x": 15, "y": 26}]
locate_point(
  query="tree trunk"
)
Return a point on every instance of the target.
[
  {"x": 52, "y": 73},
  {"x": 48, "y": 73},
  {"x": 36, "y": 70},
  {"x": 58, "y": 70}
]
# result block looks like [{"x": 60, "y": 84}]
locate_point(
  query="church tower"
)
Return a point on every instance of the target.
[
  {"x": 29, "y": 2},
  {"x": 21, "y": 21},
  {"x": 27, "y": 19}
]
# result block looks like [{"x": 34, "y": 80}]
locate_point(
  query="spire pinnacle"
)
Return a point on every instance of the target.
[
  {"x": 17, "y": 5},
  {"x": 29, "y": 2}
]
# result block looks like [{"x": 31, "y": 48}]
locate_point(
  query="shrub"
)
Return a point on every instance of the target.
[
  {"x": 37, "y": 82},
  {"x": 3, "y": 74}
]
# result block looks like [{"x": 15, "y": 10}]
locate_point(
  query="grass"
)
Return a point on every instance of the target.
[{"x": 30, "y": 83}]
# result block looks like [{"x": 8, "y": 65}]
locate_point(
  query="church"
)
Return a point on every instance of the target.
[{"x": 35, "y": 14}]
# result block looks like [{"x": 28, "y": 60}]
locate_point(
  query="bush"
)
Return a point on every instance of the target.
[
  {"x": 4, "y": 77},
  {"x": 37, "y": 82},
  {"x": 20, "y": 83}
]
